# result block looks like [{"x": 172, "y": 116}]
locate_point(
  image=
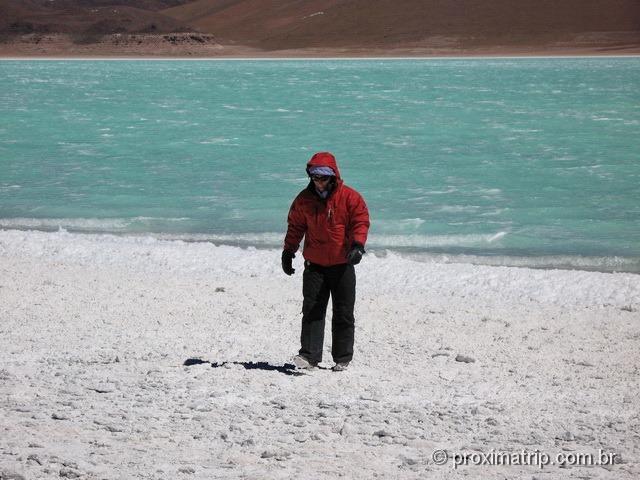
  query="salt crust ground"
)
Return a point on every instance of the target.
[{"x": 94, "y": 331}]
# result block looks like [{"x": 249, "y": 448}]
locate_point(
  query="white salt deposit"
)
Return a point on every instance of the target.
[{"x": 95, "y": 329}]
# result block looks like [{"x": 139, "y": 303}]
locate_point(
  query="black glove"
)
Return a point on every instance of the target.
[
  {"x": 355, "y": 254},
  {"x": 287, "y": 259}
]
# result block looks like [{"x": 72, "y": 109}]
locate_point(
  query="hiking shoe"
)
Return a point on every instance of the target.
[
  {"x": 340, "y": 366},
  {"x": 303, "y": 363}
]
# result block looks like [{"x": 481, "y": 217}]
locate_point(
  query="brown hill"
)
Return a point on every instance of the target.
[
  {"x": 278, "y": 24},
  {"x": 317, "y": 27},
  {"x": 91, "y": 17}
]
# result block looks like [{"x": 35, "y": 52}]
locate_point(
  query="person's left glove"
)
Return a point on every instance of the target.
[
  {"x": 355, "y": 254},
  {"x": 287, "y": 262}
]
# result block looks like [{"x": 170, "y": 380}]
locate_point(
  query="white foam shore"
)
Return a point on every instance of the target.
[{"x": 95, "y": 329}]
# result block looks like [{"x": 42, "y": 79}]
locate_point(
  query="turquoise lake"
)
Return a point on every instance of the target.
[{"x": 527, "y": 161}]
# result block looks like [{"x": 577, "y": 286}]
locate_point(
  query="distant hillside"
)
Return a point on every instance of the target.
[
  {"x": 278, "y": 24},
  {"x": 391, "y": 25},
  {"x": 87, "y": 16}
]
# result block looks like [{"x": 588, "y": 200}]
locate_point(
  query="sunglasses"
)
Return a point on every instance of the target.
[{"x": 320, "y": 178}]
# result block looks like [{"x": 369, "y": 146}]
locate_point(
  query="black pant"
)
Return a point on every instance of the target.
[{"x": 318, "y": 283}]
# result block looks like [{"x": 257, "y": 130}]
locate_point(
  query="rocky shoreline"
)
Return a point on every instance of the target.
[{"x": 203, "y": 45}]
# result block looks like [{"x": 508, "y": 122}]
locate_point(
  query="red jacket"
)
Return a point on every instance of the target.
[{"x": 329, "y": 226}]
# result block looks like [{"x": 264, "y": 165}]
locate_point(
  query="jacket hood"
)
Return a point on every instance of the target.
[{"x": 324, "y": 159}]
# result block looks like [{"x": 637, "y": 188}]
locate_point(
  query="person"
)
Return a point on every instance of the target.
[{"x": 334, "y": 221}]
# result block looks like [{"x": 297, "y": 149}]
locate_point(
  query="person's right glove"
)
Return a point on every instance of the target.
[
  {"x": 287, "y": 261},
  {"x": 355, "y": 254}
]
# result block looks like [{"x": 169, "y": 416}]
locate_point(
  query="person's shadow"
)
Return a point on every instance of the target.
[{"x": 287, "y": 368}]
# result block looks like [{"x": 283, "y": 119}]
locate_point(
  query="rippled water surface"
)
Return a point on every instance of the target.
[{"x": 512, "y": 160}]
